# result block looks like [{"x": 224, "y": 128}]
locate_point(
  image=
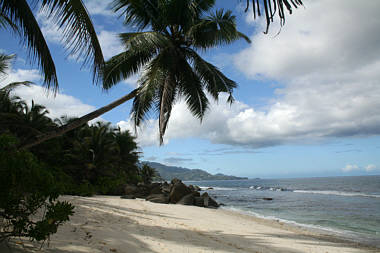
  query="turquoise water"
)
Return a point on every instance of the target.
[{"x": 346, "y": 206}]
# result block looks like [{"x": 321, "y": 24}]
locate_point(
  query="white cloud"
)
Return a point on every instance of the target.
[
  {"x": 370, "y": 167},
  {"x": 110, "y": 43},
  {"x": 58, "y": 106},
  {"x": 354, "y": 167},
  {"x": 296, "y": 118},
  {"x": 50, "y": 30},
  {"x": 324, "y": 38},
  {"x": 328, "y": 59},
  {"x": 132, "y": 80},
  {"x": 147, "y": 134},
  {"x": 21, "y": 75},
  {"x": 99, "y": 7},
  {"x": 350, "y": 167}
]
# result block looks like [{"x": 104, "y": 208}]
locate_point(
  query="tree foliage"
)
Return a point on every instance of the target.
[
  {"x": 90, "y": 159},
  {"x": 164, "y": 49},
  {"x": 28, "y": 195}
]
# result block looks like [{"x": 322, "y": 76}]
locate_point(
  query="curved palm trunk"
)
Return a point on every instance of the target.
[{"x": 80, "y": 121}]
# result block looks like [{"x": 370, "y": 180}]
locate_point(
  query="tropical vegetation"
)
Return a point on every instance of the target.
[{"x": 91, "y": 159}]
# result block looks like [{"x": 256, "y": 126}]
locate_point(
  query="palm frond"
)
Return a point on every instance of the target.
[
  {"x": 167, "y": 94},
  {"x": 6, "y": 22},
  {"x": 217, "y": 29},
  {"x": 190, "y": 86},
  {"x": 5, "y": 62},
  {"x": 14, "y": 85},
  {"x": 149, "y": 83},
  {"x": 141, "y": 40},
  {"x": 187, "y": 12},
  {"x": 213, "y": 79},
  {"x": 270, "y": 9},
  {"x": 166, "y": 62},
  {"x": 79, "y": 32},
  {"x": 142, "y": 47},
  {"x": 20, "y": 14},
  {"x": 138, "y": 13}
]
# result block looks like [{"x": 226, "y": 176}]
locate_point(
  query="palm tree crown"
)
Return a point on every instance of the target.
[{"x": 169, "y": 32}]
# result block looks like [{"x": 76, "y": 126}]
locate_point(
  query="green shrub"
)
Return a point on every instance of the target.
[{"x": 28, "y": 195}]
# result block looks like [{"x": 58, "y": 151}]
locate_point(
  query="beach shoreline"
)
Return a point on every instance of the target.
[{"x": 111, "y": 224}]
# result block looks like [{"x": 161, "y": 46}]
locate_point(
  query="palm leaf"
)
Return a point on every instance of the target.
[
  {"x": 5, "y": 22},
  {"x": 151, "y": 79},
  {"x": 79, "y": 32},
  {"x": 14, "y": 85},
  {"x": 20, "y": 14},
  {"x": 216, "y": 29},
  {"x": 270, "y": 9},
  {"x": 213, "y": 79},
  {"x": 5, "y": 62},
  {"x": 191, "y": 87},
  {"x": 142, "y": 47},
  {"x": 138, "y": 13}
]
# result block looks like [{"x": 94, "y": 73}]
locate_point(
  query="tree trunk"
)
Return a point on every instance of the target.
[{"x": 78, "y": 122}]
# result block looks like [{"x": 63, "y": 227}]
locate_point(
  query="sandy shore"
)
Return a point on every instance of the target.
[{"x": 111, "y": 224}]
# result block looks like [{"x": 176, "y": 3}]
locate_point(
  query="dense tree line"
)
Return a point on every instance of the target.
[{"x": 97, "y": 158}]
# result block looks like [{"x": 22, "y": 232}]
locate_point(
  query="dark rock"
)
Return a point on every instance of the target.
[
  {"x": 166, "y": 188},
  {"x": 196, "y": 194},
  {"x": 210, "y": 188},
  {"x": 156, "y": 189},
  {"x": 128, "y": 197},
  {"x": 212, "y": 203},
  {"x": 142, "y": 191},
  {"x": 158, "y": 198},
  {"x": 198, "y": 201},
  {"x": 197, "y": 188},
  {"x": 187, "y": 200},
  {"x": 175, "y": 181},
  {"x": 204, "y": 195},
  {"x": 130, "y": 189},
  {"x": 208, "y": 201},
  {"x": 178, "y": 191},
  {"x": 194, "y": 188},
  {"x": 267, "y": 198}
]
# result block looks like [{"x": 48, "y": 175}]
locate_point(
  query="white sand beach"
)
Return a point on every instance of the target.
[{"x": 111, "y": 224}]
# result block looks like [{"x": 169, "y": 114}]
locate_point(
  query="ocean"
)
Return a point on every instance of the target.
[{"x": 348, "y": 207}]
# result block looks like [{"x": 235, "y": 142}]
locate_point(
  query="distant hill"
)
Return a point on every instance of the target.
[{"x": 170, "y": 172}]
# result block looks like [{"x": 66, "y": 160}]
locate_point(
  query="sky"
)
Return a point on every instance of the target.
[{"x": 307, "y": 102}]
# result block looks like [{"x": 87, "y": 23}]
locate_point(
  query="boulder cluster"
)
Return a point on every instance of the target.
[{"x": 174, "y": 193}]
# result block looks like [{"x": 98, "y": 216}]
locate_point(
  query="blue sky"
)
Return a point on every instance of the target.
[{"x": 308, "y": 101}]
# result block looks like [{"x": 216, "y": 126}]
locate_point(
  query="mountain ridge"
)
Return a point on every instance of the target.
[{"x": 169, "y": 172}]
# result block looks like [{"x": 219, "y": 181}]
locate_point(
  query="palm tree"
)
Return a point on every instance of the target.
[
  {"x": 270, "y": 9},
  {"x": 70, "y": 15},
  {"x": 167, "y": 56},
  {"x": 147, "y": 173}
]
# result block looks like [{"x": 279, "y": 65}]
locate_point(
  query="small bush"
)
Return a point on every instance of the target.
[{"x": 28, "y": 195}]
